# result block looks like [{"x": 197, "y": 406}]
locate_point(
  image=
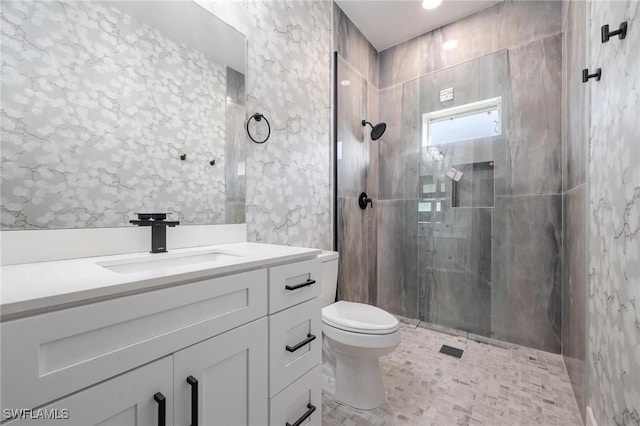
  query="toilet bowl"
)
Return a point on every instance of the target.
[{"x": 355, "y": 336}]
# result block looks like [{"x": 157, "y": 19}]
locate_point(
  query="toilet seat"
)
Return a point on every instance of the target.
[{"x": 359, "y": 318}]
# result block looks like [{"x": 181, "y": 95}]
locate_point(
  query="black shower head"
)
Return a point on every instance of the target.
[{"x": 376, "y": 131}]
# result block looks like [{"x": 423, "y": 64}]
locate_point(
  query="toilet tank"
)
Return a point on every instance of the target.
[{"x": 329, "y": 262}]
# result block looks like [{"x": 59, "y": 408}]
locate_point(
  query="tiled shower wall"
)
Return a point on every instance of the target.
[
  {"x": 575, "y": 138},
  {"x": 357, "y": 161},
  {"x": 524, "y": 302}
]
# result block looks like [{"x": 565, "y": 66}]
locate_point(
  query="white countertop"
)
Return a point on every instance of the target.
[{"x": 33, "y": 288}]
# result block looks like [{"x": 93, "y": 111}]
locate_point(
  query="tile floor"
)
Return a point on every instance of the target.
[{"x": 487, "y": 386}]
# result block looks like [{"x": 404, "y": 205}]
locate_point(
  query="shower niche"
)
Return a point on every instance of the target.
[{"x": 475, "y": 187}]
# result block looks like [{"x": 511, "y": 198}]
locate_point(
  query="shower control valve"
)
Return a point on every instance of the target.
[{"x": 363, "y": 200}]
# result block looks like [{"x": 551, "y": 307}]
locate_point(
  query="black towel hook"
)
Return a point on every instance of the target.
[
  {"x": 621, "y": 32},
  {"x": 258, "y": 117}
]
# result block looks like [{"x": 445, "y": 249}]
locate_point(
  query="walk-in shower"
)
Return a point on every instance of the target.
[{"x": 456, "y": 237}]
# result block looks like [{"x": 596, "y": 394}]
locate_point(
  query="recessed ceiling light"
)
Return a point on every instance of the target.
[
  {"x": 450, "y": 44},
  {"x": 431, "y": 4},
  {"x": 345, "y": 82}
]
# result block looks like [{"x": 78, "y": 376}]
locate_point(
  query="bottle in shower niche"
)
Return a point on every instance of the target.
[
  {"x": 427, "y": 186},
  {"x": 439, "y": 212},
  {"x": 440, "y": 188}
]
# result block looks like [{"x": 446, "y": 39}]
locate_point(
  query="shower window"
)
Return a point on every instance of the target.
[{"x": 470, "y": 121}]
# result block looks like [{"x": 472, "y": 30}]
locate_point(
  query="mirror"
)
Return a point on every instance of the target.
[{"x": 114, "y": 108}]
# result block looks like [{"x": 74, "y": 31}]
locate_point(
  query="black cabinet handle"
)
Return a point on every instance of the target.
[
  {"x": 297, "y": 286},
  {"x": 310, "y": 338},
  {"x": 162, "y": 408},
  {"x": 194, "y": 400},
  {"x": 311, "y": 409}
]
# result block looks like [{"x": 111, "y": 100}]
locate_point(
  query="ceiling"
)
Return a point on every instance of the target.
[{"x": 386, "y": 23}]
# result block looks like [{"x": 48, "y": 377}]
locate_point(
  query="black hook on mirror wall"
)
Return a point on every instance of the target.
[{"x": 183, "y": 157}]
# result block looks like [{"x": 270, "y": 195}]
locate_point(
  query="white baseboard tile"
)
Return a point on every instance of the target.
[
  {"x": 591, "y": 420},
  {"x": 59, "y": 244}
]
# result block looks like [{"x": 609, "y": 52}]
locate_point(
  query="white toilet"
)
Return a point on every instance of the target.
[{"x": 355, "y": 336}]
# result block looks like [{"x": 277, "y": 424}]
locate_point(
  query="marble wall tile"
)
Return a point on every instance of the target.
[
  {"x": 287, "y": 178},
  {"x": 574, "y": 290},
  {"x": 455, "y": 269},
  {"x": 534, "y": 126},
  {"x": 353, "y": 148},
  {"x": 521, "y": 22},
  {"x": 614, "y": 218},
  {"x": 235, "y": 212},
  {"x": 410, "y": 139},
  {"x": 397, "y": 284},
  {"x": 525, "y": 299},
  {"x": 91, "y": 137},
  {"x": 236, "y": 92},
  {"x": 372, "y": 167},
  {"x": 398, "y": 148},
  {"x": 400, "y": 63},
  {"x": 576, "y": 139},
  {"x": 235, "y": 152},
  {"x": 356, "y": 227},
  {"x": 475, "y": 38},
  {"x": 358, "y": 163},
  {"x": 390, "y": 148},
  {"x": 354, "y": 47},
  {"x": 503, "y": 26}
]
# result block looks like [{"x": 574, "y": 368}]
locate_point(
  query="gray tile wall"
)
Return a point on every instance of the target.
[
  {"x": 358, "y": 163},
  {"x": 525, "y": 288},
  {"x": 575, "y": 141},
  {"x": 528, "y": 179}
]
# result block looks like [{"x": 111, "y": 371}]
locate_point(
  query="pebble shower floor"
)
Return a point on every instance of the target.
[{"x": 489, "y": 385}]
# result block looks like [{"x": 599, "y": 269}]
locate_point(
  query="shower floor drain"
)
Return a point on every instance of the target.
[{"x": 449, "y": 350}]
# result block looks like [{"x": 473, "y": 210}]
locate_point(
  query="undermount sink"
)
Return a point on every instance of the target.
[{"x": 158, "y": 262}]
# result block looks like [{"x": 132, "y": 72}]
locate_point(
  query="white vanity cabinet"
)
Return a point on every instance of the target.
[
  {"x": 295, "y": 344},
  {"x": 126, "y": 400},
  {"x": 230, "y": 350},
  {"x": 223, "y": 381}
]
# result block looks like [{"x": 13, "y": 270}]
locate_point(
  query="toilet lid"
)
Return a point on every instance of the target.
[{"x": 359, "y": 318}]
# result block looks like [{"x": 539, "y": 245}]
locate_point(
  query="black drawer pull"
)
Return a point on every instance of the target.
[
  {"x": 297, "y": 286},
  {"x": 194, "y": 400},
  {"x": 310, "y": 338},
  {"x": 311, "y": 409},
  {"x": 162, "y": 408}
]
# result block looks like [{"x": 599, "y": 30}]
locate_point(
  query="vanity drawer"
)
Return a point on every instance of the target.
[
  {"x": 293, "y": 283},
  {"x": 74, "y": 348},
  {"x": 295, "y": 343},
  {"x": 303, "y": 397}
]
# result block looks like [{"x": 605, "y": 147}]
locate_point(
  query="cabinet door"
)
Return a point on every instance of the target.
[
  {"x": 124, "y": 400},
  {"x": 230, "y": 372}
]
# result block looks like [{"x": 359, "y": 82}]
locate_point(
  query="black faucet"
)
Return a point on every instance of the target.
[{"x": 158, "y": 226}]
